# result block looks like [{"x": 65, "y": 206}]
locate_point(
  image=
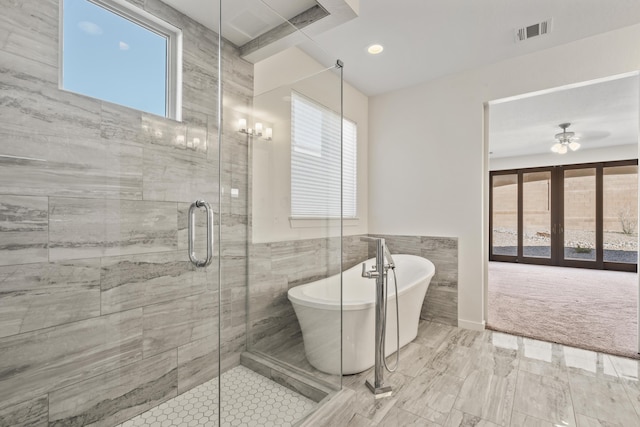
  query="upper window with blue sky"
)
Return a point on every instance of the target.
[{"x": 110, "y": 54}]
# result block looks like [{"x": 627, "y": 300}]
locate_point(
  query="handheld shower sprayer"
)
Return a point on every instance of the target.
[{"x": 387, "y": 254}]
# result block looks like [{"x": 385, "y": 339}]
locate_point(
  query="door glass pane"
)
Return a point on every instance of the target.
[
  {"x": 536, "y": 215},
  {"x": 505, "y": 215},
  {"x": 94, "y": 241},
  {"x": 580, "y": 214},
  {"x": 620, "y": 214},
  {"x": 279, "y": 329}
]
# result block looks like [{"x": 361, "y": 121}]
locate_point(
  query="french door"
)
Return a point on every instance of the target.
[{"x": 574, "y": 215}]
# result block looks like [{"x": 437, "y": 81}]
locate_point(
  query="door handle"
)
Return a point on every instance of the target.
[{"x": 192, "y": 233}]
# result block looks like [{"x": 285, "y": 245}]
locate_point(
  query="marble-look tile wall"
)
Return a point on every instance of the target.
[
  {"x": 102, "y": 315},
  {"x": 276, "y": 267},
  {"x": 441, "y": 302}
]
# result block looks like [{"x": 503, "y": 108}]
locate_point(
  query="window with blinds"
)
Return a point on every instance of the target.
[{"x": 315, "y": 161}]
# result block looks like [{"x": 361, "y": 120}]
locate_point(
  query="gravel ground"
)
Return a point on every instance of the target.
[
  {"x": 618, "y": 247},
  {"x": 569, "y": 253}
]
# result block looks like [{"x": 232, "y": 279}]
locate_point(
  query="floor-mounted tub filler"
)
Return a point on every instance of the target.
[{"x": 317, "y": 306}]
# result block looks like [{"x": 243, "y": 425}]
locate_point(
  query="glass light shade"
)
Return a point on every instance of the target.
[
  {"x": 268, "y": 133},
  {"x": 258, "y": 129},
  {"x": 563, "y": 149},
  {"x": 242, "y": 124},
  {"x": 574, "y": 146},
  {"x": 556, "y": 147}
]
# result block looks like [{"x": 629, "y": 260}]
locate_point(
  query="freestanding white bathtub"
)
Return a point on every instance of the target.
[{"x": 317, "y": 306}]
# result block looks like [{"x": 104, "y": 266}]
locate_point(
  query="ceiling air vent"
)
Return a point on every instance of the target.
[{"x": 534, "y": 30}]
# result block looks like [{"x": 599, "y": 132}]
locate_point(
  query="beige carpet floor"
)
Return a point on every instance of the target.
[{"x": 590, "y": 309}]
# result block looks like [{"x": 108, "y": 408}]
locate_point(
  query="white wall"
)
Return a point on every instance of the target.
[
  {"x": 618, "y": 152},
  {"x": 428, "y": 157},
  {"x": 275, "y": 77}
]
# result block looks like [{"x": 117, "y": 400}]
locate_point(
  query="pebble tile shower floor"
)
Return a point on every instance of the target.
[{"x": 249, "y": 399}]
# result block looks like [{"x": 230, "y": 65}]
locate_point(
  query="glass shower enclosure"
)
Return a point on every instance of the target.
[{"x": 146, "y": 250}]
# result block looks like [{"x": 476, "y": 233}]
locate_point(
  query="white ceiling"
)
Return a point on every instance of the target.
[
  {"x": 424, "y": 39},
  {"x": 602, "y": 115}
]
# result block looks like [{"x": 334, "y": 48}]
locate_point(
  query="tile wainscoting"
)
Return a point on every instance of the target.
[
  {"x": 441, "y": 302},
  {"x": 276, "y": 267}
]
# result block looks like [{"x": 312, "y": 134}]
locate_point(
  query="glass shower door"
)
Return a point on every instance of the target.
[
  {"x": 266, "y": 378},
  {"x": 101, "y": 310},
  {"x": 296, "y": 224}
]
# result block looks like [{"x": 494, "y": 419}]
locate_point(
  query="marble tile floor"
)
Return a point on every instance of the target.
[
  {"x": 249, "y": 399},
  {"x": 454, "y": 377}
]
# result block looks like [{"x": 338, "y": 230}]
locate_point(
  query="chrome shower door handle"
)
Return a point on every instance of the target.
[{"x": 192, "y": 233}]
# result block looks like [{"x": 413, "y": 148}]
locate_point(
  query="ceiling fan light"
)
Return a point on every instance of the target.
[{"x": 565, "y": 140}]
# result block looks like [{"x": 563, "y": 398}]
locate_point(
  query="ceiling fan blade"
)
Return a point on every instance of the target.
[{"x": 594, "y": 135}]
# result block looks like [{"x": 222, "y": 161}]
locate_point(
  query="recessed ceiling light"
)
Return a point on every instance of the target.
[{"x": 375, "y": 49}]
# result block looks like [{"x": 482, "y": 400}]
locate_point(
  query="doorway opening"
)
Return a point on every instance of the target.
[{"x": 563, "y": 224}]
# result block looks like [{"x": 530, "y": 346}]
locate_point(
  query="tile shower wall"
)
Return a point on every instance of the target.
[
  {"x": 278, "y": 266},
  {"x": 102, "y": 316}
]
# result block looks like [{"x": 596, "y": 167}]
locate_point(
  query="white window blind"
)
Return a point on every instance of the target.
[{"x": 315, "y": 161}]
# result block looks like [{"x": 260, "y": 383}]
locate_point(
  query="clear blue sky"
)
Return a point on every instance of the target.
[{"x": 111, "y": 58}]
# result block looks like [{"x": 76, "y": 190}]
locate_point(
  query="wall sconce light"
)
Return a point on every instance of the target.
[{"x": 242, "y": 128}]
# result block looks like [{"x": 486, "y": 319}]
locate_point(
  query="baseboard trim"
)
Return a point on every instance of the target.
[{"x": 468, "y": 324}]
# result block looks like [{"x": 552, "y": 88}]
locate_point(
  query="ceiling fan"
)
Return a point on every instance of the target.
[{"x": 565, "y": 140}]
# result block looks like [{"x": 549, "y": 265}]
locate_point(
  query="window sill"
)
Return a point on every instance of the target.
[{"x": 322, "y": 222}]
